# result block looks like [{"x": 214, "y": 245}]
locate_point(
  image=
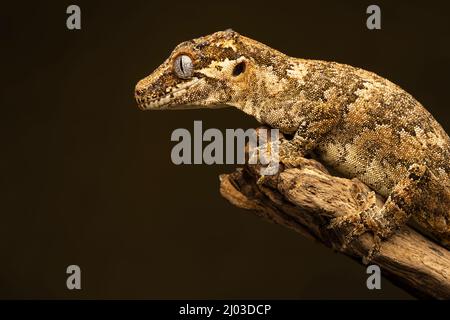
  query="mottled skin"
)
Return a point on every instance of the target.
[{"x": 353, "y": 120}]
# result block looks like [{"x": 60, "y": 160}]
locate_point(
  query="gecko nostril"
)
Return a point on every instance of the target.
[{"x": 139, "y": 92}]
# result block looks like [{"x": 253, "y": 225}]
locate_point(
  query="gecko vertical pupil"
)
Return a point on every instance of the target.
[
  {"x": 183, "y": 67},
  {"x": 239, "y": 68}
]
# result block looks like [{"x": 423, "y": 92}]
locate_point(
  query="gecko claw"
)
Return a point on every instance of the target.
[{"x": 261, "y": 180}]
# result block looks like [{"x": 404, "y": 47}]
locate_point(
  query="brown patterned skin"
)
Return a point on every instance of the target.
[{"x": 353, "y": 120}]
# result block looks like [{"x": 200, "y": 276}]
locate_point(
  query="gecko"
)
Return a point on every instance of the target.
[{"x": 354, "y": 121}]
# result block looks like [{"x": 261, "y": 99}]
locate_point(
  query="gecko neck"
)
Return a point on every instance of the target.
[{"x": 271, "y": 87}]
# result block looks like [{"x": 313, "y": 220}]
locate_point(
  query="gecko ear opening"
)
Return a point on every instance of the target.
[{"x": 239, "y": 68}]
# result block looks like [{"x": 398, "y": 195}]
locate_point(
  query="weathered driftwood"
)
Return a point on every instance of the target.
[{"x": 307, "y": 197}]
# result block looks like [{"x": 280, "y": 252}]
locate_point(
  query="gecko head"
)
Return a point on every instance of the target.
[{"x": 205, "y": 72}]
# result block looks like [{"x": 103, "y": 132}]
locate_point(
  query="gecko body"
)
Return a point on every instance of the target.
[{"x": 353, "y": 120}]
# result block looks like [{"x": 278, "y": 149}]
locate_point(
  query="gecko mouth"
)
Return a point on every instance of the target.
[{"x": 160, "y": 103}]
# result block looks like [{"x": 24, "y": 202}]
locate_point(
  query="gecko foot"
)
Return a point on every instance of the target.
[{"x": 355, "y": 225}]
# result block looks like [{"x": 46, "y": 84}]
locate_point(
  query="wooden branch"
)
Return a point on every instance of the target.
[{"x": 307, "y": 197}]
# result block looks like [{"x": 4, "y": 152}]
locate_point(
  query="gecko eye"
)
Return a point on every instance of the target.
[
  {"x": 183, "y": 67},
  {"x": 239, "y": 68}
]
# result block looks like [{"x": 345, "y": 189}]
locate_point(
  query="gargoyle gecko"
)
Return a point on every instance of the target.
[{"x": 354, "y": 121}]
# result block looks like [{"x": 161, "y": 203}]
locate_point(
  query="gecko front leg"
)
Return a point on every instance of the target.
[
  {"x": 310, "y": 129},
  {"x": 320, "y": 119},
  {"x": 403, "y": 201}
]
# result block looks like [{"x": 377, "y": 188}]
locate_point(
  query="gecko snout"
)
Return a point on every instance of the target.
[
  {"x": 140, "y": 92},
  {"x": 140, "y": 89}
]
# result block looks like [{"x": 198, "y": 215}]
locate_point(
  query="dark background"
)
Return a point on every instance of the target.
[{"x": 87, "y": 177}]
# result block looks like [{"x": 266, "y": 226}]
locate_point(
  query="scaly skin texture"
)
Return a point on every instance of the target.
[{"x": 355, "y": 121}]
